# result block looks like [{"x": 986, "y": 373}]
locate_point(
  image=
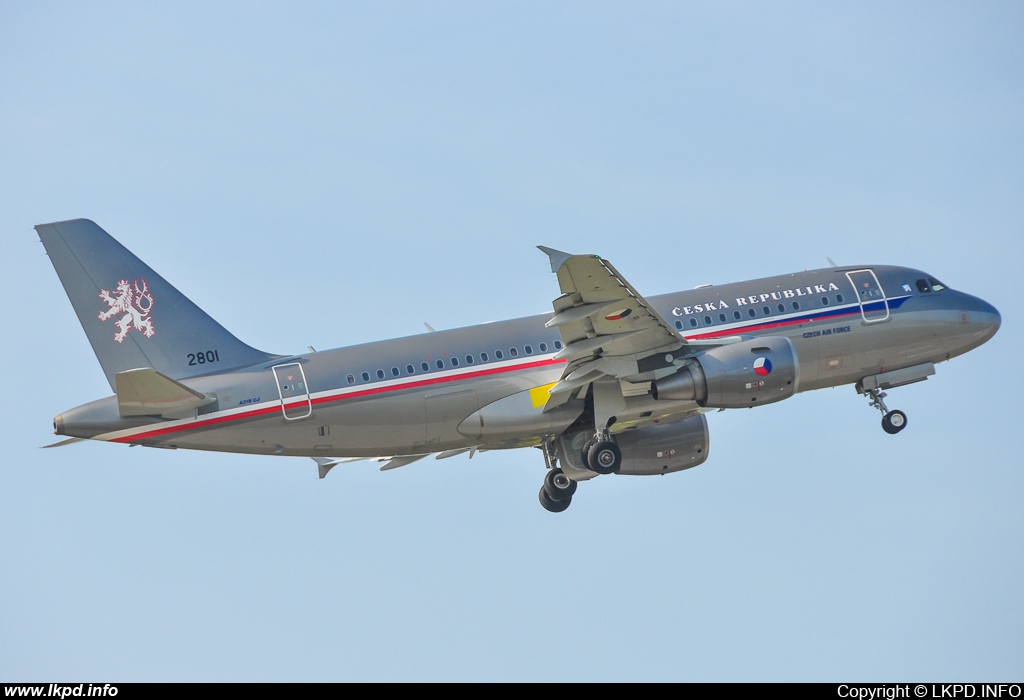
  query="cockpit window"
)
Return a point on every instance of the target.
[
  {"x": 936, "y": 285},
  {"x": 922, "y": 286}
]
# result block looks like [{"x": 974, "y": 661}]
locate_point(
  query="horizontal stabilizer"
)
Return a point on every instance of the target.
[
  {"x": 62, "y": 443},
  {"x": 146, "y": 392}
]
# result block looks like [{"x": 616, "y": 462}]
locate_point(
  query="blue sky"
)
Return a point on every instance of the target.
[{"x": 330, "y": 173}]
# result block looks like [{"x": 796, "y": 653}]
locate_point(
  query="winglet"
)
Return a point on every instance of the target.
[{"x": 557, "y": 257}]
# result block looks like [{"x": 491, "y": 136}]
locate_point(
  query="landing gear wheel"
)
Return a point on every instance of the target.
[
  {"x": 894, "y": 421},
  {"x": 558, "y": 486},
  {"x": 550, "y": 505},
  {"x": 586, "y": 452},
  {"x": 605, "y": 457}
]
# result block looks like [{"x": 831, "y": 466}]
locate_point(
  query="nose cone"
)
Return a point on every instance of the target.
[
  {"x": 988, "y": 318},
  {"x": 979, "y": 321}
]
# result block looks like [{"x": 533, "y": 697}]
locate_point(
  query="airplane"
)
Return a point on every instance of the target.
[{"x": 609, "y": 382}]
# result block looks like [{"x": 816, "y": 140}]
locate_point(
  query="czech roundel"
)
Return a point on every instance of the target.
[
  {"x": 618, "y": 315},
  {"x": 763, "y": 366}
]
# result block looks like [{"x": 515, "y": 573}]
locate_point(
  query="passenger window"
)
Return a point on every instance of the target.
[
  {"x": 721, "y": 317},
  {"x": 351, "y": 379},
  {"x": 529, "y": 349},
  {"x": 380, "y": 374},
  {"x": 707, "y": 320},
  {"x": 395, "y": 372},
  {"x": 679, "y": 325},
  {"x": 796, "y": 305},
  {"x": 543, "y": 347},
  {"x": 766, "y": 310},
  {"x": 824, "y": 301},
  {"x": 483, "y": 357},
  {"x": 440, "y": 364},
  {"x": 839, "y": 298},
  {"x": 737, "y": 315},
  {"x": 752, "y": 313},
  {"x": 410, "y": 369},
  {"x": 469, "y": 359},
  {"x": 425, "y": 367},
  {"x": 922, "y": 286},
  {"x": 782, "y": 308},
  {"x": 558, "y": 345},
  {"x": 513, "y": 352},
  {"x": 498, "y": 355},
  {"x": 693, "y": 322},
  {"x": 455, "y": 362},
  {"x": 366, "y": 376}
]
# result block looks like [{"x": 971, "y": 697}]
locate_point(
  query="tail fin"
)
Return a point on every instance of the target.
[{"x": 132, "y": 316}]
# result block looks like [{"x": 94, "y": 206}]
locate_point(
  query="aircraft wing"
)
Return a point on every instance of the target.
[{"x": 609, "y": 331}]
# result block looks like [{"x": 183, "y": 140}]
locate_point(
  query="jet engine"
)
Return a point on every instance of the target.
[
  {"x": 661, "y": 449},
  {"x": 653, "y": 449},
  {"x": 739, "y": 375}
]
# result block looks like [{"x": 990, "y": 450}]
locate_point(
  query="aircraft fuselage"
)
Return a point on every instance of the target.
[{"x": 414, "y": 395}]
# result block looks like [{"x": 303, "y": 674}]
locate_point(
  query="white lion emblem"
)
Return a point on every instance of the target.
[{"x": 136, "y": 310}]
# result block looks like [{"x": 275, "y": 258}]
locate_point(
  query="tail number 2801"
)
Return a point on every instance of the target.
[{"x": 203, "y": 358}]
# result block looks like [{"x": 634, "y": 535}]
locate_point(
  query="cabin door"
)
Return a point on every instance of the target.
[
  {"x": 291, "y": 387},
  {"x": 874, "y": 307}
]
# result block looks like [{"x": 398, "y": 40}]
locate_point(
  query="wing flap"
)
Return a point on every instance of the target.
[{"x": 608, "y": 330}]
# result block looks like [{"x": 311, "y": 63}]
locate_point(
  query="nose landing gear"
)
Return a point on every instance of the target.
[{"x": 892, "y": 421}]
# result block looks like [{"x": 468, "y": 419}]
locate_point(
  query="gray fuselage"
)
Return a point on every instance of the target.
[{"x": 411, "y": 395}]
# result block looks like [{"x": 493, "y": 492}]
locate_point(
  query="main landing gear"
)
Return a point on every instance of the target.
[
  {"x": 600, "y": 454},
  {"x": 556, "y": 493},
  {"x": 892, "y": 421}
]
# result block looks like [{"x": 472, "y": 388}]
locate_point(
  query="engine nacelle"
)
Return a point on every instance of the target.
[
  {"x": 740, "y": 375},
  {"x": 661, "y": 449}
]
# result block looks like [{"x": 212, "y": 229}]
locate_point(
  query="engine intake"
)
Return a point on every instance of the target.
[{"x": 749, "y": 373}]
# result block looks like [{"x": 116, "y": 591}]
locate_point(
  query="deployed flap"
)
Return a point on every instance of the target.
[
  {"x": 599, "y": 313},
  {"x": 146, "y": 392},
  {"x": 326, "y": 464},
  {"x": 396, "y": 462},
  {"x": 597, "y": 302}
]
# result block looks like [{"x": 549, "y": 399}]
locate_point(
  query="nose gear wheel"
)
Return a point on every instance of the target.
[{"x": 892, "y": 421}]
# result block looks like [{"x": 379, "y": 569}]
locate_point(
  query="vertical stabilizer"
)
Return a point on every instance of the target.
[{"x": 132, "y": 316}]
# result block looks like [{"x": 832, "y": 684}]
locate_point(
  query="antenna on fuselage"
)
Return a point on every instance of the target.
[{"x": 831, "y": 263}]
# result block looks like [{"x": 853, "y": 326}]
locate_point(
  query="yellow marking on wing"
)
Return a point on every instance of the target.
[{"x": 539, "y": 396}]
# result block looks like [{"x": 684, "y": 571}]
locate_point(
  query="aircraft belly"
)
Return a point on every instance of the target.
[{"x": 413, "y": 422}]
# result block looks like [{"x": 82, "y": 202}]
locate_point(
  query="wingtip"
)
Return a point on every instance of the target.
[{"x": 556, "y": 257}]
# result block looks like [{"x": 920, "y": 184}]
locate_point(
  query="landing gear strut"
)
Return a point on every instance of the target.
[
  {"x": 892, "y": 421},
  {"x": 556, "y": 493}
]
